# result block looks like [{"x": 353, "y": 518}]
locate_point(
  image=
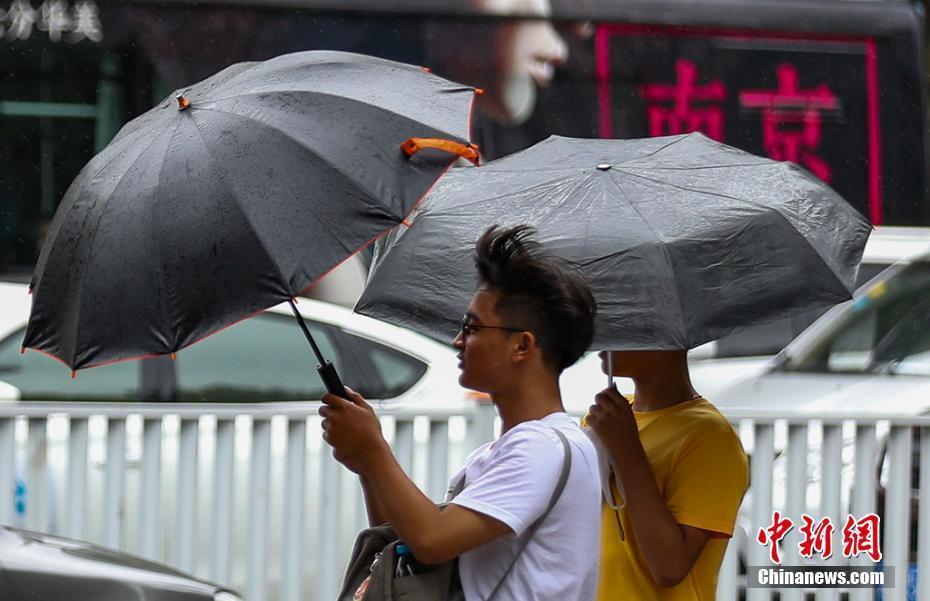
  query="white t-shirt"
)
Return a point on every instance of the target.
[{"x": 512, "y": 479}]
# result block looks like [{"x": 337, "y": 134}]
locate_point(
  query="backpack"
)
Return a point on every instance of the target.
[{"x": 371, "y": 572}]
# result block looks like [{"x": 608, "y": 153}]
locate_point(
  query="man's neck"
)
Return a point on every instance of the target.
[
  {"x": 660, "y": 392},
  {"x": 532, "y": 399}
]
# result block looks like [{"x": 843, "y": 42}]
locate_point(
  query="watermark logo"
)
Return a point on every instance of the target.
[
  {"x": 860, "y": 537},
  {"x": 816, "y": 577}
]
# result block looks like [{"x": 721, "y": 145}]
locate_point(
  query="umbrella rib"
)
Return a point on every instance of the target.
[
  {"x": 491, "y": 168},
  {"x": 627, "y": 166},
  {"x": 438, "y": 192},
  {"x": 658, "y": 150},
  {"x": 377, "y": 208},
  {"x": 668, "y": 261},
  {"x": 698, "y": 190},
  {"x": 463, "y": 90},
  {"x": 370, "y": 198},
  {"x": 165, "y": 310},
  {"x": 53, "y": 233},
  {"x": 93, "y": 239},
  {"x": 245, "y": 214},
  {"x": 767, "y": 208}
]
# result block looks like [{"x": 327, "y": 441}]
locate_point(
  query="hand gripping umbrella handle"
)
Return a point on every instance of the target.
[
  {"x": 468, "y": 152},
  {"x": 326, "y": 369}
]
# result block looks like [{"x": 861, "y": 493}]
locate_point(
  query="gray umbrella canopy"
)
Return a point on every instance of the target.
[
  {"x": 234, "y": 198},
  {"x": 682, "y": 239}
]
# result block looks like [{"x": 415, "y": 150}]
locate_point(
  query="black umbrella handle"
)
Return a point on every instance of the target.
[
  {"x": 331, "y": 379},
  {"x": 326, "y": 369}
]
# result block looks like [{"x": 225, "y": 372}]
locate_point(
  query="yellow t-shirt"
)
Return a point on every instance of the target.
[{"x": 702, "y": 473}]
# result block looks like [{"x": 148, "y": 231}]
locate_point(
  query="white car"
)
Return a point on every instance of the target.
[
  {"x": 264, "y": 358},
  {"x": 868, "y": 355},
  {"x": 886, "y": 246}
]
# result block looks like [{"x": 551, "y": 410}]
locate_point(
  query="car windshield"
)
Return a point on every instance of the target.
[{"x": 886, "y": 328}]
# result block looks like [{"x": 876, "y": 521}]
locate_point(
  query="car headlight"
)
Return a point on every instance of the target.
[{"x": 226, "y": 596}]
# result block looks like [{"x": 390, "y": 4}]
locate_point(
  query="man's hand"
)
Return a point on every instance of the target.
[
  {"x": 351, "y": 427},
  {"x": 611, "y": 418}
]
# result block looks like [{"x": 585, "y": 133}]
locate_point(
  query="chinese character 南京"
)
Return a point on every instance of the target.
[
  {"x": 685, "y": 106},
  {"x": 792, "y": 119}
]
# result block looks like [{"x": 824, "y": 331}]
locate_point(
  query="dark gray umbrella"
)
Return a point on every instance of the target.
[
  {"x": 682, "y": 239},
  {"x": 234, "y": 196}
]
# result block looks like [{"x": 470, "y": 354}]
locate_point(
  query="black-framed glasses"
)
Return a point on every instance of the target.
[{"x": 469, "y": 328}]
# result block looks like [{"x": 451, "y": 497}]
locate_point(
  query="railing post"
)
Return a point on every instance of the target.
[
  {"x": 923, "y": 536},
  {"x": 77, "y": 476},
  {"x": 831, "y": 469},
  {"x": 150, "y": 497},
  {"x": 38, "y": 509},
  {"x": 7, "y": 468},
  {"x": 897, "y": 511},
  {"x": 327, "y": 544},
  {"x": 223, "y": 499},
  {"x": 403, "y": 444},
  {"x": 258, "y": 510},
  {"x": 293, "y": 556},
  {"x": 185, "y": 523},
  {"x": 761, "y": 485},
  {"x": 115, "y": 480},
  {"x": 863, "y": 496},
  {"x": 437, "y": 478},
  {"x": 795, "y": 496}
]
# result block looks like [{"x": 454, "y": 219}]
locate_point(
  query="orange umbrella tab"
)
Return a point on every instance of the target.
[{"x": 468, "y": 152}]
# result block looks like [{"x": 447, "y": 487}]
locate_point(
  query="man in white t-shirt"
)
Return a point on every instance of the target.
[{"x": 529, "y": 320}]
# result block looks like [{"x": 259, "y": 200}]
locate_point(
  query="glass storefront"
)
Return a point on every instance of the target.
[{"x": 834, "y": 95}]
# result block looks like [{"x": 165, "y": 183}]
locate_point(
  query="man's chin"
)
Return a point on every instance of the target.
[{"x": 465, "y": 383}]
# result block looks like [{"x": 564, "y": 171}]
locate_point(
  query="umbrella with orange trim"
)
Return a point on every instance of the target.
[{"x": 236, "y": 194}]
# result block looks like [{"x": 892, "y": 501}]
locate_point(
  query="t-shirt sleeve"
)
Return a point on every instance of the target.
[
  {"x": 707, "y": 484},
  {"x": 517, "y": 480}
]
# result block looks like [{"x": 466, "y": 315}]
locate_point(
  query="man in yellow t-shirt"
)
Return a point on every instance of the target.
[{"x": 678, "y": 477}]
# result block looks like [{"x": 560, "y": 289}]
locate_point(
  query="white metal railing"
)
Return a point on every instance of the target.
[{"x": 249, "y": 496}]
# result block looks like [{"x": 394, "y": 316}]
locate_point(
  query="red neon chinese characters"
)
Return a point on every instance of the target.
[
  {"x": 783, "y": 110},
  {"x": 683, "y": 116},
  {"x": 862, "y": 536},
  {"x": 774, "y": 533},
  {"x": 817, "y": 537}
]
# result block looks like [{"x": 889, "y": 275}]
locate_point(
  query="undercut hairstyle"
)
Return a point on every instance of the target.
[{"x": 538, "y": 292}]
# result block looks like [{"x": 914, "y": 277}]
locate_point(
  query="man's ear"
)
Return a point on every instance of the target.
[{"x": 524, "y": 347}]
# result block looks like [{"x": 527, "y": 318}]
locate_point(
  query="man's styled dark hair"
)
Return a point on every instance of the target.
[{"x": 538, "y": 292}]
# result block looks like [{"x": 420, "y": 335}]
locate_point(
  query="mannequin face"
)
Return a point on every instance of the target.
[{"x": 527, "y": 52}]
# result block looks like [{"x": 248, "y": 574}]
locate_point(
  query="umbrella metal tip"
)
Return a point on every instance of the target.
[
  {"x": 183, "y": 102},
  {"x": 603, "y": 167}
]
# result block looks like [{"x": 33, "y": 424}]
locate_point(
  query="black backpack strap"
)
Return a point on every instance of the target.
[
  {"x": 556, "y": 495},
  {"x": 457, "y": 487}
]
